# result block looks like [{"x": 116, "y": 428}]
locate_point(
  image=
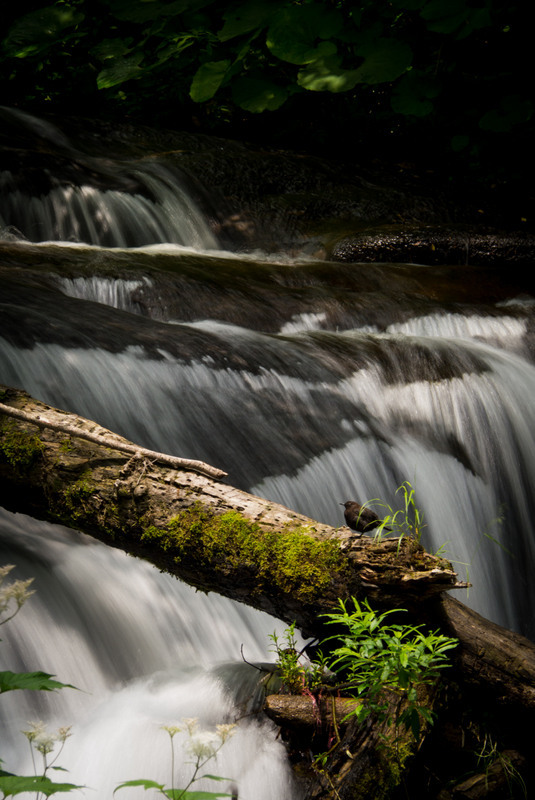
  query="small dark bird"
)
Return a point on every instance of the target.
[{"x": 359, "y": 518}]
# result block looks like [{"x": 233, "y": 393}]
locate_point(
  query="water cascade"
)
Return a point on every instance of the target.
[{"x": 310, "y": 384}]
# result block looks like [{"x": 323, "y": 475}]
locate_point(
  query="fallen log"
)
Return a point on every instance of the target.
[{"x": 63, "y": 468}]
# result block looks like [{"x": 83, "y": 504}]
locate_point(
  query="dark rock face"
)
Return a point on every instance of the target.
[{"x": 435, "y": 245}]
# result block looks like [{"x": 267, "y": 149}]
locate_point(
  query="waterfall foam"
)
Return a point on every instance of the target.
[{"x": 140, "y": 645}]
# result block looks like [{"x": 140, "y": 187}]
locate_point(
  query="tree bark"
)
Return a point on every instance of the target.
[{"x": 365, "y": 759}]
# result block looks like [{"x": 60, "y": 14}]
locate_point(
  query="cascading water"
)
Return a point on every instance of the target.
[
  {"x": 141, "y": 648},
  {"x": 114, "y": 204},
  {"x": 281, "y": 374}
]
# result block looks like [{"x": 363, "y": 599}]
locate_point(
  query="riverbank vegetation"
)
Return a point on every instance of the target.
[{"x": 439, "y": 82}]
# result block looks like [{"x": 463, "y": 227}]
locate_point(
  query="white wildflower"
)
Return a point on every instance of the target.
[
  {"x": 63, "y": 733},
  {"x": 44, "y": 742},
  {"x": 172, "y": 730},
  {"x": 5, "y": 570},
  {"x": 204, "y": 744},
  {"x": 36, "y": 729},
  {"x": 42, "y": 739},
  {"x": 225, "y": 731},
  {"x": 191, "y": 724},
  {"x": 16, "y": 592}
]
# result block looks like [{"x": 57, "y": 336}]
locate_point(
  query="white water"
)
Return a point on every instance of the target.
[
  {"x": 140, "y": 646},
  {"x": 108, "y": 291},
  {"x": 444, "y": 400},
  {"x": 110, "y": 217},
  {"x": 467, "y": 444}
]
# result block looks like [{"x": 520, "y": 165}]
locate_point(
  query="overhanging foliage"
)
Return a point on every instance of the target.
[{"x": 455, "y": 64}]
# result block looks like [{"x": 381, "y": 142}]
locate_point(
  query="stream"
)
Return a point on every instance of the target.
[{"x": 125, "y": 299}]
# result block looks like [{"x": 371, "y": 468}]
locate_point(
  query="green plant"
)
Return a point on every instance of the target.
[
  {"x": 452, "y": 68},
  {"x": 407, "y": 521},
  {"x": 291, "y": 672},
  {"x": 12, "y": 598},
  {"x": 298, "y": 675},
  {"x": 490, "y": 756},
  {"x": 375, "y": 657},
  {"x": 203, "y": 746}
]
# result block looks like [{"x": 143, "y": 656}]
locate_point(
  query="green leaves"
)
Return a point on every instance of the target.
[
  {"x": 12, "y": 785},
  {"x": 148, "y": 10},
  {"x": 385, "y": 60},
  {"x": 208, "y": 79},
  {"x": 257, "y": 94},
  {"x": 120, "y": 70},
  {"x": 376, "y": 656},
  {"x": 325, "y": 74},
  {"x": 37, "y": 681},
  {"x": 146, "y": 784},
  {"x": 400, "y": 66},
  {"x": 509, "y": 111},
  {"x": 250, "y": 16},
  {"x": 293, "y": 34},
  {"x": 413, "y": 95},
  {"x": 36, "y": 32},
  {"x": 454, "y": 17}
]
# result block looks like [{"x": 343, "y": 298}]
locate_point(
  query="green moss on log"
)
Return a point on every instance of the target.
[
  {"x": 290, "y": 559},
  {"x": 75, "y": 497},
  {"x": 17, "y": 447}
]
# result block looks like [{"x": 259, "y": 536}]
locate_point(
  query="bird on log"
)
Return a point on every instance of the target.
[{"x": 359, "y": 518}]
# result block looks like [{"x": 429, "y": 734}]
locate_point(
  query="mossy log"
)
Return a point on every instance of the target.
[{"x": 178, "y": 515}]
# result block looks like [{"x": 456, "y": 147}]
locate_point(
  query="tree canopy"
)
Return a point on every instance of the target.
[{"x": 451, "y": 74}]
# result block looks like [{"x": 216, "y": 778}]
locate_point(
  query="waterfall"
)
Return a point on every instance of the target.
[
  {"x": 309, "y": 383},
  {"x": 108, "y": 217},
  {"x": 66, "y": 195},
  {"x": 465, "y": 441},
  {"x": 141, "y": 648}
]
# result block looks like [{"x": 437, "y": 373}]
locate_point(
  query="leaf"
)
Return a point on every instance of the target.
[
  {"x": 258, "y": 94},
  {"x": 147, "y": 10},
  {"x": 38, "y": 681},
  {"x": 36, "y": 32},
  {"x": 448, "y": 16},
  {"x": 458, "y": 142},
  {"x": 413, "y": 95},
  {"x": 250, "y": 16},
  {"x": 111, "y": 48},
  {"x": 147, "y": 784},
  {"x": 292, "y": 36},
  {"x": 208, "y": 79},
  {"x": 510, "y": 111},
  {"x": 180, "y": 794},
  {"x": 11, "y": 785},
  {"x": 326, "y": 75},
  {"x": 120, "y": 71},
  {"x": 384, "y": 61}
]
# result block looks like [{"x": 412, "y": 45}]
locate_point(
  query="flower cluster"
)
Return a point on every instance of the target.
[
  {"x": 202, "y": 744},
  {"x": 13, "y": 595},
  {"x": 43, "y": 740}
]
